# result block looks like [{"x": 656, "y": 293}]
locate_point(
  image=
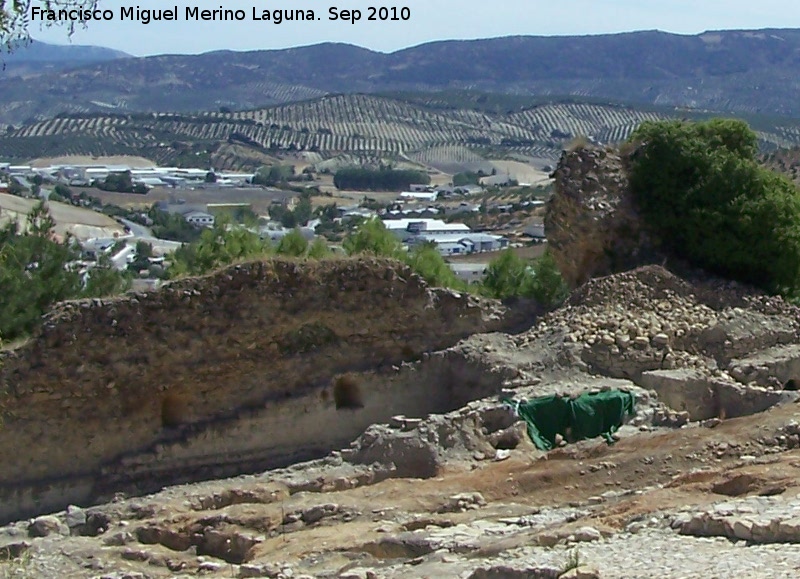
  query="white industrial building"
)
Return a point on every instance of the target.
[
  {"x": 428, "y": 196},
  {"x": 410, "y": 227},
  {"x": 461, "y": 243}
]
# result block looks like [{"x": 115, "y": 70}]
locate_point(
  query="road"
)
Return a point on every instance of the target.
[
  {"x": 138, "y": 231},
  {"x": 142, "y": 233}
]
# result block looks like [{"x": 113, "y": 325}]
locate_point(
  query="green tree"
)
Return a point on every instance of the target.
[
  {"x": 708, "y": 201},
  {"x": 246, "y": 216},
  {"x": 372, "y": 237},
  {"x": 211, "y": 177},
  {"x": 103, "y": 280},
  {"x": 40, "y": 223},
  {"x": 62, "y": 192},
  {"x": 172, "y": 226},
  {"x": 288, "y": 220},
  {"x": 507, "y": 276},
  {"x": 381, "y": 179},
  {"x": 144, "y": 251},
  {"x": 292, "y": 244},
  {"x": 273, "y": 175},
  {"x": 37, "y": 271},
  {"x": 277, "y": 211},
  {"x": 548, "y": 286},
  {"x": 327, "y": 213},
  {"x": 319, "y": 249},
  {"x": 33, "y": 275},
  {"x": 120, "y": 182},
  {"x": 14, "y": 188},
  {"x": 468, "y": 178},
  {"x": 217, "y": 246},
  {"x": 426, "y": 261},
  {"x": 302, "y": 212}
]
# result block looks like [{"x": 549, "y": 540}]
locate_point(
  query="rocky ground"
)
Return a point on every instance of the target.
[{"x": 704, "y": 486}]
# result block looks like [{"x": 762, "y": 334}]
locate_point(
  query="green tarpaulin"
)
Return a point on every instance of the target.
[{"x": 587, "y": 416}]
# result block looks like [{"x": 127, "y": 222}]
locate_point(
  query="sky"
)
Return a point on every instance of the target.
[{"x": 429, "y": 20}]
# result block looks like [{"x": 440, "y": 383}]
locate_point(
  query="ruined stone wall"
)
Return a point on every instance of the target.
[
  {"x": 240, "y": 369},
  {"x": 592, "y": 225}
]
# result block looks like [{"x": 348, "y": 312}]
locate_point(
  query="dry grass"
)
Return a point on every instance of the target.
[{"x": 80, "y": 222}]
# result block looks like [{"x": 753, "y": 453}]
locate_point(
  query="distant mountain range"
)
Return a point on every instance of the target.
[
  {"x": 37, "y": 58},
  {"x": 69, "y": 54},
  {"x": 729, "y": 71}
]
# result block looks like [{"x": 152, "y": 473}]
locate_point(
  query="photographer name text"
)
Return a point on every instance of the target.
[{"x": 196, "y": 14}]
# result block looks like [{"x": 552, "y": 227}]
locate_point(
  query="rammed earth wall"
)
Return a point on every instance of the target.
[{"x": 251, "y": 367}]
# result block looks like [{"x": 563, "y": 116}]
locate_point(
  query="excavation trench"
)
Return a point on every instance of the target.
[
  {"x": 291, "y": 430},
  {"x": 278, "y": 433},
  {"x": 704, "y": 397}
]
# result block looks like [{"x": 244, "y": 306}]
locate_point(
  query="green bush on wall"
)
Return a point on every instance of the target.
[{"x": 708, "y": 201}]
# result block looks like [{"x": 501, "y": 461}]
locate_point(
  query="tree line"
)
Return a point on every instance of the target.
[{"x": 381, "y": 179}]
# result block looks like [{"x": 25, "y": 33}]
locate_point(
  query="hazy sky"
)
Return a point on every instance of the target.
[{"x": 430, "y": 20}]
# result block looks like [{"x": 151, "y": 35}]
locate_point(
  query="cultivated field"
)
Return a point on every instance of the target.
[
  {"x": 259, "y": 199},
  {"x": 522, "y": 172},
  {"x": 350, "y": 129},
  {"x": 362, "y": 126},
  {"x": 131, "y": 161},
  {"x": 79, "y": 222}
]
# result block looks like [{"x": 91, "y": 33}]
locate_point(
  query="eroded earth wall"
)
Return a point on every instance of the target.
[
  {"x": 592, "y": 223},
  {"x": 252, "y": 367}
]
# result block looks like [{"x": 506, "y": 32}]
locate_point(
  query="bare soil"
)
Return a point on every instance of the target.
[
  {"x": 527, "y": 252},
  {"x": 82, "y": 223},
  {"x": 683, "y": 461},
  {"x": 259, "y": 199},
  {"x": 131, "y": 161}
]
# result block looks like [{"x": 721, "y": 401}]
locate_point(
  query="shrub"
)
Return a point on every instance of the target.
[
  {"x": 579, "y": 142},
  {"x": 292, "y": 244},
  {"x": 372, "y": 237},
  {"x": 426, "y": 261},
  {"x": 548, "y": 286},
  {"x": 706, "y": 199},
  {"x": 507, "y": 275},
  {"x": 319, "y": 249},
  {"x": 511, "y": 276},
  {"x": 218, "y": 246}
]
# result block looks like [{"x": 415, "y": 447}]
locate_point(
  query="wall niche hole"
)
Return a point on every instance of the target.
[
  {"x": 174, "y": 410},
  {"x": 347, "y": 393}
]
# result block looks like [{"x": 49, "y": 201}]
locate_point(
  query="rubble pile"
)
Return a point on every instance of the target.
[{"x": 650, "y": 319}]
